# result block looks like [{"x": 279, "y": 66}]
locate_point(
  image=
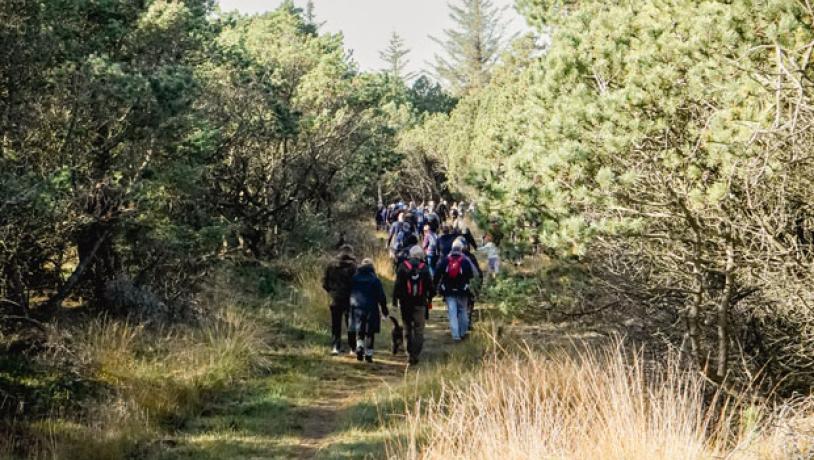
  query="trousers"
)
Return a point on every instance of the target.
[{"x": 339, "y": 315}]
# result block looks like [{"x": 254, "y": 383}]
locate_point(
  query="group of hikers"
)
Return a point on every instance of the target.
[{"x": 425, "y": 263}]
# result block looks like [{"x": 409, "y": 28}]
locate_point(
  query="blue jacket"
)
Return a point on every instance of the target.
[{"x": 367, "y": 298}]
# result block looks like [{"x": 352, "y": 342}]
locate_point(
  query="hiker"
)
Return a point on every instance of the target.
[
  {"x": 404, "y": 254},
  {"x": 454, "y": 216},
  {"x": 475, "y": 286},
  {"x": 392, "y": 215},
  {"x": 413, "y": 291},
  {"x": 430, "y": 246},
  {"x": 432, "y": 219},
  {"x": 420, "y": 217},
  {"x": 452, "y": 279},
  {"x": 443, "y": 211},
  {"x": 337, "y": 282},
  {"x": 400, "y": 233},
  {"x": 470, "y": 238},
  {"x": 395, "y": 227},
  {"x": 381, "y": 217},
  {"x": 448, "y": 236},
  {"x": 367, "y": 303},
  {"x": 492, "y": 253}
]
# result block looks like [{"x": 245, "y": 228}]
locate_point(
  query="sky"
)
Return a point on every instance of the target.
[{"x": 368, "y": 24}]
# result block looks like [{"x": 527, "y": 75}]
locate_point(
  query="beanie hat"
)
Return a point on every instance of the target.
[
  {"x": 457, "y": 245},
  {"x": 416, "y": 252}
]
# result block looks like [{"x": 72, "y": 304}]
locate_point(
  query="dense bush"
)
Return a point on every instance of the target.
[
  {"x": 667, "y": 146},
  {"x": 141, "y": 142}
]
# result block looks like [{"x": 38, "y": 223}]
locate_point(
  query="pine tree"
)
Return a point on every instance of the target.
[
  {"x": 310, "y": 15},
  {"x": 395, "y": 58},
  {"x": 473, "y": 46}
]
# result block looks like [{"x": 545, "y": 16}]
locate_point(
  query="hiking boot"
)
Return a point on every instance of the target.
[
  {"x": 360, "y": 354},
  {"x": 369, "y": 359},
  {"x": 413, "y": 361},
  {"x": 335, "y": 351}
]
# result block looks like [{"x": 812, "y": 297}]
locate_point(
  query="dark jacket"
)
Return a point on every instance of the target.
[
  {"x": 338, "y": 278},
  {"x": 367, "y": 298},
  {"x": 470, "y": 238},
  {"x": 458, "y": 286},
  {"x": 433, "y": 221},
  {"x": 443, "y": 212},
  {"x": 445, "y": 245},
  {"x": 475, "y": 263},
  {"x": 403, "y": 275}
]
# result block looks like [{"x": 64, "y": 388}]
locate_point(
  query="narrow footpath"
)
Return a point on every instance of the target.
[{"x": 311, "y": 405}]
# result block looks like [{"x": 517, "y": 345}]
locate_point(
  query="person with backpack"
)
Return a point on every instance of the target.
[
  {"x": 337, "y": 281},
  {"x": 412, "y": 292},
  {"x": 430, "y": 246},
  {"x": 452, "y": 278},
  {"x": 395, "y": 228},
  {"x": 403, "y": 254},
  {"x": 476, "y": 270},
  {"x": 445, "y": 242},
  {"x": 368, "y": 303},
  {"x": 401, "y": 234}
]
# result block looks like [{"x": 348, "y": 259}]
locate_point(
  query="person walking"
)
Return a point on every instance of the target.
[
  {"x": 412, "y": 292},
  {"x": 452, "y": 281},
  {"x": 445, "y": 242},
  {"x": 430, "y": 246},
  {"x": 492, "y": 253},
  {"x": 337, "y": 281},
  {"x": 368, "y": 303},
  {"x": 477, "y": 277},
  {"x": 443, "y": 211}
]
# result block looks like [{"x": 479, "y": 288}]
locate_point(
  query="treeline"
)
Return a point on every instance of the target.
[
  {"x": 142, "y": 141},
  {"x": 661, "y": 153}
]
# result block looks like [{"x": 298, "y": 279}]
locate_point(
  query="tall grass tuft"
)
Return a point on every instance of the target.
[
  {"x": 608, "y": 404},
  {"x": 150, "y": 378}
]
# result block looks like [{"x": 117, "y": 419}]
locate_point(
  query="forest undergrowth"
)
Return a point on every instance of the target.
[{"x": 254, "y": 379}]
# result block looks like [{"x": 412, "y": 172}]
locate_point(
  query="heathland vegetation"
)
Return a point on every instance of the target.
[{"x": 172, "y": 178}]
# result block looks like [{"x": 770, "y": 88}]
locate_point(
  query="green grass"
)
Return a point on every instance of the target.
[{"x": 256, "y": 381}]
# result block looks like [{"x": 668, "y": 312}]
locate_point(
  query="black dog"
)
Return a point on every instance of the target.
[{"x": 397, "y": 335}]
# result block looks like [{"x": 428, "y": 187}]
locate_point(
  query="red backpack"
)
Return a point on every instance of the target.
[
  {"x": 454, "y": 266},
  {"x": 415, "y": 282}
]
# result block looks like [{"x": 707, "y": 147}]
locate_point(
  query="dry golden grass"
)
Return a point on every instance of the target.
[
  {"x": 166, "y": 375},
  {"x": 594, "y": 405},
  {"x": 151, "y": 378}
]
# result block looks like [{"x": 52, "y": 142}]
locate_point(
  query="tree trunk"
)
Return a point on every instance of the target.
[
  {"x": 15, "y": 289},
  {"x": 693, "y": 309},
  {"x": 96, "y": 252},
  {"x": 723, "y": 316},
  {"x": 55, "y": 302}
]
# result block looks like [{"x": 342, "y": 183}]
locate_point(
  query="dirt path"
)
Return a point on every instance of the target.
[
  {"x": 310, "y": 405},
  {"x": 322, "y": 421}
]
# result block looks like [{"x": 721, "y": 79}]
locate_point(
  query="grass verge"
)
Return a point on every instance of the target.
[{"x": 605, "y": 403}]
